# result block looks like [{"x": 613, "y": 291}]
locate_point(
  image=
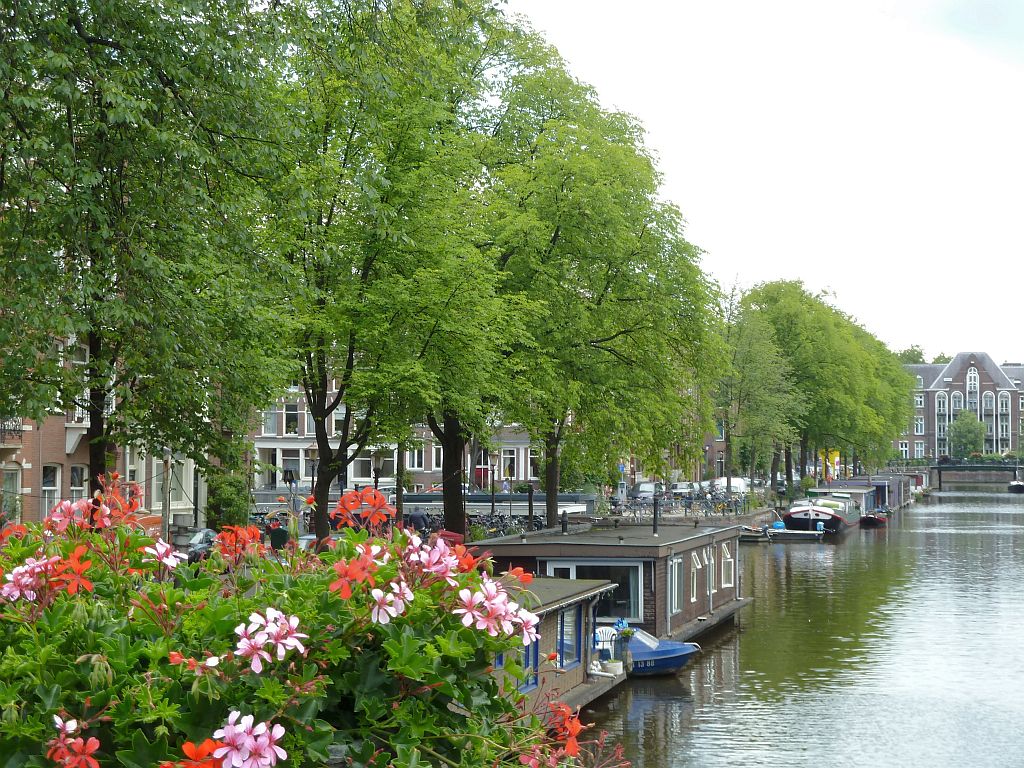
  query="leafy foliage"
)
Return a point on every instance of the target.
[{"x": 362, "y": 650}]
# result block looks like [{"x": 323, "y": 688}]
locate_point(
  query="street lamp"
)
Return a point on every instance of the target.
[
  {"x": 378, "y": 457},
  {"x": 493, "y": 456}
]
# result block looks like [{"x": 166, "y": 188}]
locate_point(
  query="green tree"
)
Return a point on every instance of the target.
[
  {"x": 375, "y": 214},
  {"x": 941, "y": 358},
  {"x": 129, "y": 286},
  {"x": 912, "y": 354},
  {"x": 756, "y": 401},
  {"x": 856, "y": 393},
  {"x": 611, "y": 365},
  {"x": 966, "y": 435}
]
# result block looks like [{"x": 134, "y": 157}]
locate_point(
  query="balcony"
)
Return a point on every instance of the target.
[{"x": 11, "y": 437}]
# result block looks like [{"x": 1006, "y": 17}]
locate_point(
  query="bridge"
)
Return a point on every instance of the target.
[{"x": 976, "y": 474}]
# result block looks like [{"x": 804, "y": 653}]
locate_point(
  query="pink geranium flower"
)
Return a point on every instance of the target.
[
  {"x": 252, "y": 647},
  {"x": 238, "y": 737},
  {"x": 384, "y": 606},
  {"x": 164, "y": 553}
]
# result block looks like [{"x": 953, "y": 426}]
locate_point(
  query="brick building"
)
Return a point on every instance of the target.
[
  {"x": 48, "y": 461},
  {"x": 972, "y": 382}
]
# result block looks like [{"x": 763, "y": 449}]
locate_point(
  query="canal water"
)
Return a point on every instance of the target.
[{"x": 901, "y": 646}]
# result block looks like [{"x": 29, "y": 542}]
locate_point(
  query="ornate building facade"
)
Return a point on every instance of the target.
[{"x": 971, "y": 382}]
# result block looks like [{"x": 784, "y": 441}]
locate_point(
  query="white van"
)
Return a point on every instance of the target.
[{"x": 738, "y": 485}]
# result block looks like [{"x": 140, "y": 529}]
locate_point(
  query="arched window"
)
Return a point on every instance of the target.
[
  {"x": 972, "y": 379},
  {"x": 957, "y": 402},
  {"x": 1004, "y": 403},
  {"x": 940, "y": 403},
  {"x": 988, "y": 402}
]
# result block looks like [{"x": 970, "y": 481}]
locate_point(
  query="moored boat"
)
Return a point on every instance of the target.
[
  {"x": 874, "y": 519},
  {"x": 1016, "y": 486},
  {"x": 651, "y": 656},
  {"x": 829, "y": 514}
]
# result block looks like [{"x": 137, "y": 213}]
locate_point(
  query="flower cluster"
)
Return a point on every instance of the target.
[
  {"x": 366, "y": 508},
  {"x": 490, "y": 608},
  {"x": 248, "y": 745},
  {"x": 116, "y": 504},
  {"x": 274, "y": 631},
  {"x": 164, "y": 553},
  {"x": 68, "y": 752},
  {"x": 235, "y": 543},
  {"x": 26, "y": 581}
]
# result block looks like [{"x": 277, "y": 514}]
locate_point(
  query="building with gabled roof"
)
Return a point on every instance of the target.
[{"x": 970, "y": 381}]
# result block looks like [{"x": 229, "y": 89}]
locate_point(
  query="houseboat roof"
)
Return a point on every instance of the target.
[
  {"x": 545, "y": 594},
  {"x": 624, "y": 540}
]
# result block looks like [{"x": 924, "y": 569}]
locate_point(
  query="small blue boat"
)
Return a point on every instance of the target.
[{"x": 652, "y": 656}]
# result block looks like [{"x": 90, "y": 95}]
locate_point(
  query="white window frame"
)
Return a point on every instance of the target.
[
  {"x": 437, "y": 458},
  {"x": 956, "y": 401},
  {"x": 50, "y": 494},
  {"x": 532, "y": 457},
  {"x": 904, "y": 449},
  {"x": 414, "y": 458},
  {"x": 694, "y": 567},
  {"x": 728, "y": 567},
  {"x": 551, "y": 565},
  {"x": 972, "y": 379},
  {"x": 509, "y": 455},
  {"x": 676, "y": 585},
  {"x": 919, "y": 425},
  {"x": 709, "y": 555},
  {"x": 78, "y": 492},
  {"x": 919, "y": 449},
  {"x": 290, "y": 410},
  {"x": 919, "y": 400}
]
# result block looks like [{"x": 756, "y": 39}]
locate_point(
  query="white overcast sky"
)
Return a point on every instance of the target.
[{"x": 872, "y": 149}]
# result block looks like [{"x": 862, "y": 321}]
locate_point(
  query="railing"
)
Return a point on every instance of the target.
[{"x": 11, "y": 430}]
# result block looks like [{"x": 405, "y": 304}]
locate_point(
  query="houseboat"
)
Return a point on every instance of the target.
[
  {"x": 673, "y": 581},
  {"x": 831, "y": 514}
]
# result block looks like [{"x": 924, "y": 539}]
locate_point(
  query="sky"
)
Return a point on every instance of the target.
[{"x": 873, "y": 150}]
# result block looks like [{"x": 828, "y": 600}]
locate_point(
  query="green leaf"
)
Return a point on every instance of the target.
[
  {"x": 144, "y": 754},
  {"x": 50, "y": 696}
]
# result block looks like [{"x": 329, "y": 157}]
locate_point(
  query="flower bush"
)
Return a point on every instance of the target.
[{"x": 377, "y": 651}]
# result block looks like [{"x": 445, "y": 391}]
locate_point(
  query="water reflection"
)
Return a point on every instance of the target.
[{"x": 896, "y": 646}]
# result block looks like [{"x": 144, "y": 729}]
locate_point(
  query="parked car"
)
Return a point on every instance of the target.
[
  {"x": 683, "y": 490},
  {"x": 200, "y": 545},
  {"x": 646, "y": 490}
]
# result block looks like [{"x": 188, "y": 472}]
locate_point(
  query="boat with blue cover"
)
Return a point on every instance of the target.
[{"x": 653, "y": 656}]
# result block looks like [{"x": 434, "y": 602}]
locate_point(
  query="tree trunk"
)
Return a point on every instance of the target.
[
  {"x": 789, "y": 469},
  {"x": 99, "y": 444},
  {"x": 400, "y": 484},
  {"x": 727, "y": 434},
  {"x": 453, "y": 442},
  {"x": 775, "y": 469},
  {"x": 803, "y": 454},
  {"x": 552, "y": 475}
]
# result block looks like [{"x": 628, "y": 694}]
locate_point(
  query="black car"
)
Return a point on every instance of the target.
[{"x": 200, "y": 545}]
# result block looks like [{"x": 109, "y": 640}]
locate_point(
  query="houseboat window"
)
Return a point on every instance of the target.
[
  {"x": 728, "y": 566},
  {"x": 569, "y": 637},
  {"x": 676, "y": 584},
  {"x": 624, "y": 601},
  {"x": 531, "y": 663},
  {"x": 710, "y": 554},
  {"x": 694, "y": 567}
]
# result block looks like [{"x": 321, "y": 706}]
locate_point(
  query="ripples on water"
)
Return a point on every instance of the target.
[{"x": 894, "y": 647}]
